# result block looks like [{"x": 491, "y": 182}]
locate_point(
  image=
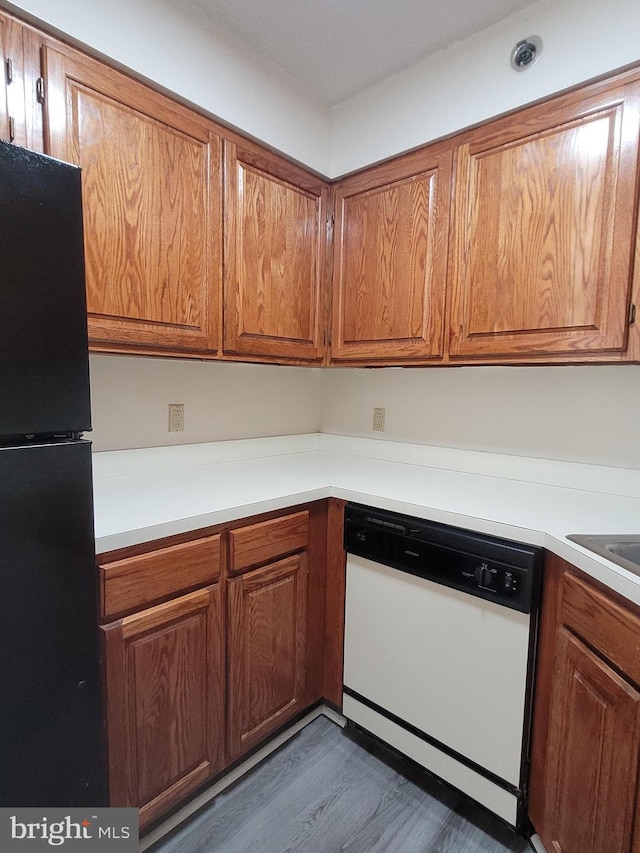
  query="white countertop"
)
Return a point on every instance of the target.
[{"x": 141, "y": 495}]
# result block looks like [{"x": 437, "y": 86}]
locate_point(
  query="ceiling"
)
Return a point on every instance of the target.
[{"x": 339, "y": 47}]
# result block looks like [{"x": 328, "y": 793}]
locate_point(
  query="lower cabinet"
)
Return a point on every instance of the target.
[
  {"x": 593, "y": 748},
  {"x": 267, "y": 628},
  {"x": 214, "y": 643},
  {"x": 210, "y": 645},
  {"x": 165, "y": 701},
  {"x": 586, "y": 746}
]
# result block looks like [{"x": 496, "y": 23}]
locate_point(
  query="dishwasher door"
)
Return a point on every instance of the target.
[{"x": 441, "y": 675}]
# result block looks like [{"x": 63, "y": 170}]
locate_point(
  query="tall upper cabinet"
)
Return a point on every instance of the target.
[
  {"x": 153, "y": 208},
  {"x": 390, "y": 259},
  {"x": 275, "y": 231},
  {"x": 6, "y": 131},
  {"x": 543, "y": 229},
  {"x": 22, "y": 89}
]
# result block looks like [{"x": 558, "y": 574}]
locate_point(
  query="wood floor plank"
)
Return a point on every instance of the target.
[{"x": 327, "y": 791}]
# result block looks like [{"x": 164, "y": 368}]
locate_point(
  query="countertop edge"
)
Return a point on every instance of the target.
[{"x": 321, "y": 485}]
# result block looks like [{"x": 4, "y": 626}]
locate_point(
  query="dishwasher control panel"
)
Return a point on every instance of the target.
[{"x": 495, "y": 569}]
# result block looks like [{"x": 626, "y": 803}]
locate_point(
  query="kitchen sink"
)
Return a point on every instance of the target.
[{"x": 624, "y": 550}]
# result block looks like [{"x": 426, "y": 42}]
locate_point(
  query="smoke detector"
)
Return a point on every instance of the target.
[{"x": 526, "y": 53}]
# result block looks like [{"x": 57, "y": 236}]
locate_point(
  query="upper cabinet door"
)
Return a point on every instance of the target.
[
  {"x": 274, "y": 256},
  {"x": 152, "y": 207},
  {"x": 390, "y": 259},
  {"x": 5, "y": 132},
  {"x": 20, "y": 110},
  {"x": 543, "y": 230}
]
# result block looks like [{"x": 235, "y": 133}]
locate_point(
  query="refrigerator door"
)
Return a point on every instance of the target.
[
  {"x": 51, "y": 738},
  {"x": 44, "y": 366}
]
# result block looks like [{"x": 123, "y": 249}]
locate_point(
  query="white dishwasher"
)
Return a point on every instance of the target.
[{"x": 440, "y": 630}]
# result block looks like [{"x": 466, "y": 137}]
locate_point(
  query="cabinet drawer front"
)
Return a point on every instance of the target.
[
  {"x": 258, "y": 543},
  {"x": 608, "y": 627},
  {"x": 135, "y": 582}
]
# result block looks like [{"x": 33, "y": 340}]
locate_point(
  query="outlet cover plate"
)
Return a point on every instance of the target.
[
  {"x": 176, "y": 417},
  {"x": 379, "y": 416}
]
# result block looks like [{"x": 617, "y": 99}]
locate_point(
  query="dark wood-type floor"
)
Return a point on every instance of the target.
[{"x": 329, "y": 790}]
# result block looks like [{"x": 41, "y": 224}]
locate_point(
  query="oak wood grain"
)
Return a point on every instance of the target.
[
  {"x": 135, "y": 582},
  {"x": 611, "y": 628},
  {"x": 390, "y": 254},
  {"x": 632, "y": 353},
  {"x": 593, "y": 754},
  {"x": 264, "y": 541},
  {"x": 586, "y": 729},
  {"x": 165, "y": 701},
  {"x": 152, "y": 202},
  {"x": 10, "y": 105},
  {"x": 543, "y": 230},
  {"x": 316, "y": 602},
  {"x": 266, "y": 653},
  {"x": 153, "y": 336},
  {"x": 334, "y": 607},
  {"x": 543, "y": 687},
  {"x": 201, "y": 533},
  {"x": 33, "y": 42},
  {"x": 20, "y": 45},
  {"x": 274, "y": 256}
]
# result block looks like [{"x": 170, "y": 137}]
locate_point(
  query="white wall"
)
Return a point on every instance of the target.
[
  {"x": 175, "y": 45},
  {"x": 582, "y": 414},
  {"x": 472, "y": 80},
  {"x": 130, "y": 398}
]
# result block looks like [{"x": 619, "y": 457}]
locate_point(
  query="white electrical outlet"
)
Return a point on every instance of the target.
[
  {"x": 176, "y": 417},
  {"x": 378, "y": 419}
]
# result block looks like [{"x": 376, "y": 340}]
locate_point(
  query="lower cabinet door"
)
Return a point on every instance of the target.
[
  {"x": 267, "y": 627},
  {"x": 592, "y": 764},
  {"x": 165, "y": 701}
]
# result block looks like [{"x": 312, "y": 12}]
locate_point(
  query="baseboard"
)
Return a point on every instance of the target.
[
  {"x": 333, "y": 715},
  {"x": 537, "y": 845}
]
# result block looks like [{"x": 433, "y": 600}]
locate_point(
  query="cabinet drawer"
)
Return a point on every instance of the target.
[
  {"x": 135, "y": 582},
  {"x": 258, "y": 543},
  {"x": 608, "y": 627}
]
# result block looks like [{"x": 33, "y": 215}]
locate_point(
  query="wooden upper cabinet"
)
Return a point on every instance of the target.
[
  {"x": 274, "y": 256},
  {"x": 5, "y": 133},
  {"x": 152, "y": 200},
  {"x": 20, "y": 109},
  {"x": 390, "y": 259},
  {"x": 543, "y": 229}
]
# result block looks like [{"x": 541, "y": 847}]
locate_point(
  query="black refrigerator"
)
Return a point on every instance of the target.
[{"x": 51, "y": 731}]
